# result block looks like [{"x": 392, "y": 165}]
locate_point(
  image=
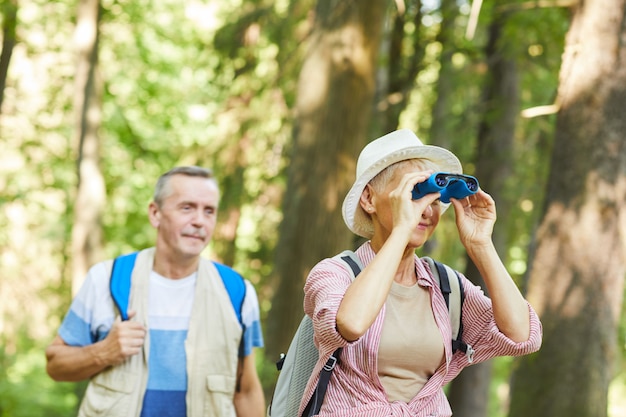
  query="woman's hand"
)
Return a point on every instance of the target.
[
  {"x": 475, "y": 218},
  {"x": 406, "y": 212}
]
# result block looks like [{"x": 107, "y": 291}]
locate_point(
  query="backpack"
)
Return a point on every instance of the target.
[
  {"x": 297, "y": 365},
  {"x": 121, "y": 277}
]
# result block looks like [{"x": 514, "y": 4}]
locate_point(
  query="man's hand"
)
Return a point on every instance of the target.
[
  {"x": 124, "y": 339},
  {"x": 77, "y": 363}
]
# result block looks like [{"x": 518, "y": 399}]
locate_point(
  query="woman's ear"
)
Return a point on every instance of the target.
[{"x": 367, "y": 199}]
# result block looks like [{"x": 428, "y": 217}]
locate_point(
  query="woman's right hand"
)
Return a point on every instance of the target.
[{"x": 407, "y": 213}]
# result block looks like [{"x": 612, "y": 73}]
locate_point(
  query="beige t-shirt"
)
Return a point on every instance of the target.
[{"x": 411, "y": 347}]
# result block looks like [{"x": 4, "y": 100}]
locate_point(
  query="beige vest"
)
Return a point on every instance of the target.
[{"x": 212, "y": 352}]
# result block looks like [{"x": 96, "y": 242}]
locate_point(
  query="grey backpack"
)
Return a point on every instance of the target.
[{"x": 297, "y": 365}]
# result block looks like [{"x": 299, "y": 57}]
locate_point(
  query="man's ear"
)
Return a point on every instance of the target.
[{"x": 154, "y": 215}]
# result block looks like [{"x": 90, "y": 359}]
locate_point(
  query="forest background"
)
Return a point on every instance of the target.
[{"x": 98, "y": 98}]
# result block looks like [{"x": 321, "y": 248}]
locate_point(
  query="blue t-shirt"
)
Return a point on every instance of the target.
[
  {"x": 169, "y": 310},
  {"x": 92, "y": 314}
]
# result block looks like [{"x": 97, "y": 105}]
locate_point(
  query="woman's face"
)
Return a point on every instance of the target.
[{"x": 383, "y": 213}]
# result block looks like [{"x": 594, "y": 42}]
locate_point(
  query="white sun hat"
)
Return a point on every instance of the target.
[{"x": 396, "y": 146}]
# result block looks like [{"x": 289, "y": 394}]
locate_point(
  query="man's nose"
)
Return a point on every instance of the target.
[{"x": 198, "y": 217}]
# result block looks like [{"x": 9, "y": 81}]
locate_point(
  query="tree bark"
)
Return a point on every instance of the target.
[
  {"x": 576, "y": 281},
  {"x": 9, "y": 13},
  {"x": 469, "y": 392},
  {"x": 90, "y": 196},
  {"x": 406, "y": 59},
  {"x": 235, "y": 161},
  {"x": 441, "y": 130},
  {"x": 335, "y": 92}
]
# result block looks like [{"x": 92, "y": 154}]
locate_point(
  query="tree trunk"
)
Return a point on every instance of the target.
[
  {"x": 576, "y": 281},
  {"x": 441, "y": 130},
  {"x": 403, "y": 56},
  {"x": 90, "y": 197},
  {"x": 335, "y": 93},
  {"x": 406, "y": 55},
  {"x": 235, "y": 161},
  {"x": 9, "y": 16},
  {"x": 469, "y": 392}
]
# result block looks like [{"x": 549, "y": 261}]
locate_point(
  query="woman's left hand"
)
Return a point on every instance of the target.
[{"x": 475, "y": 218}]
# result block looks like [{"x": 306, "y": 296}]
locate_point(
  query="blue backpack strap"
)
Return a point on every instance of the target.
[
  {"x": 236, "y": 289},
  {"x": 120, "y": 282},
  {"x": 235, "y": 286}
]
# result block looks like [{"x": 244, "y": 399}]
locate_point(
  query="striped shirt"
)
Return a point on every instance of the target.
[
  {"x": 169, "y": 311},
  {"x": 355, "y": 389}
]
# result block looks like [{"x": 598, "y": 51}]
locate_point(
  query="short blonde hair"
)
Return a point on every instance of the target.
[{"x": 380, "y": 181}]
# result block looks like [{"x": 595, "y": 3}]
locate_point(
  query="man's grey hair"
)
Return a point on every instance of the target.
[{"x": 161, "y": 191}]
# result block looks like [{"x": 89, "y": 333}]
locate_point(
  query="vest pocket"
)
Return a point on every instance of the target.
[
  {"x": 221, "y": 389},
  {"x": 109, "y": 394}
]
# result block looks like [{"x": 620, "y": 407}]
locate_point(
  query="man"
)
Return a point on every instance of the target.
[{"x": 182, "y": 351}]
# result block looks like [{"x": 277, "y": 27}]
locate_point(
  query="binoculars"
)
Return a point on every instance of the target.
[{"x": 449, "y": 185}]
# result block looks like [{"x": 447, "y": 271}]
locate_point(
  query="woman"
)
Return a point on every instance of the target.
[{"x": 392, "y": 321}]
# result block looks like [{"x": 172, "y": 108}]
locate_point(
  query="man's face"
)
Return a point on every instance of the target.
[{"x": 186, "y": 219}]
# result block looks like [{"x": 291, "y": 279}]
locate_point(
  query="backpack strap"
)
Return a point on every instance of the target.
[
  {"x": 454, "y": 295},
  {"x": 315, "y": 403},
  {"x": 235, "y": 286},
  {"x": 119, "y": 283},
  {"x": 236, "y": 289},
  {"x": 353, "y": 261}
]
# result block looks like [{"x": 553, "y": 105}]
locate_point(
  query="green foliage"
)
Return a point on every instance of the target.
[
  {"x": 27, "y": 390},
  {"x": 185, "y": 85},
  {"x": 617, "y": 396}
]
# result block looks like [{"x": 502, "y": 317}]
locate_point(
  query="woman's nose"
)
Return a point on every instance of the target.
[{"x": 428, "y": 211}]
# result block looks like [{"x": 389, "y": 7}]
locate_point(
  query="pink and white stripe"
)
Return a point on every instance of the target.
[{"x": 355, "y": 389}]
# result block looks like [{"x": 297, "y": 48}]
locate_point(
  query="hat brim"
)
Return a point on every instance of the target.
[{"x": 355, "y": 218}]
